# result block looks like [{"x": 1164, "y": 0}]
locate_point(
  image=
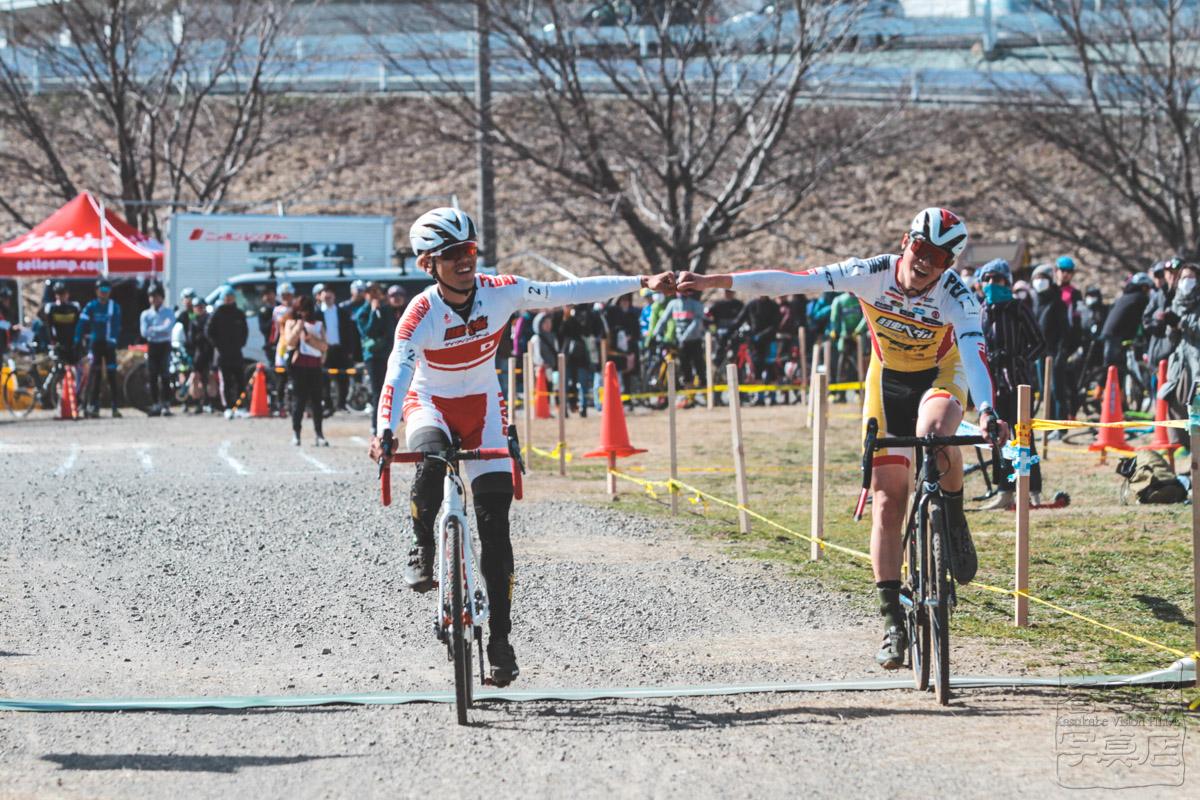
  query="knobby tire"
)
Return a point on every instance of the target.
[
  {"x": 917, "y": 618},
  {"x": 20, "y": 393},
  {"x": 939, "y": 585},
  {"x": 460, "y": 638}
]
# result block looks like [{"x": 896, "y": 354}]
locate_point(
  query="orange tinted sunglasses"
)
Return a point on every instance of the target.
[{"x": 457, "y": 252}]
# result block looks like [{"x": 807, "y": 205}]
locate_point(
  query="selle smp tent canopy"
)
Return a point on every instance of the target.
[{"x": 70, "y": 243}]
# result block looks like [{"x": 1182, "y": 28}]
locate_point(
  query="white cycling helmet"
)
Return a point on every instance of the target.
[
  {"x": 942, "y": 229},
  {"x": 441, "y": 228}
]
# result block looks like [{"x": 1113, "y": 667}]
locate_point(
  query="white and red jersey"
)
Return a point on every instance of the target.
[{"x": 440, "y": 356}]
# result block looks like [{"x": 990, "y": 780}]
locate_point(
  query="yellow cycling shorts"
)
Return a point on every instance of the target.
[{"x": 894, "y": 398}]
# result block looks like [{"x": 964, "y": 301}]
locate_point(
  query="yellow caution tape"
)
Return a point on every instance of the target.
[
  {"x": 676, "y": 485},
  {"x": 1064, "y": 424},
  {"x": 553, "y": 453}
]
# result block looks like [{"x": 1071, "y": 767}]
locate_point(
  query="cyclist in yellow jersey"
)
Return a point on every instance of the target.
[{"x": 926, "y": 351}]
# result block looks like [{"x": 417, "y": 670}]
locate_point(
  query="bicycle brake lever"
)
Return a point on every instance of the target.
[{"x": 388, "y": 443}]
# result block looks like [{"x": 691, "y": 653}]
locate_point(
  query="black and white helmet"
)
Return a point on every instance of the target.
[
  {"x": 441, "y": 228},
  {"x": 942, "y": 229}
]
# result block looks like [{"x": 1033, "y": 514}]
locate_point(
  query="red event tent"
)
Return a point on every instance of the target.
[{"x": 69, "y": 244}]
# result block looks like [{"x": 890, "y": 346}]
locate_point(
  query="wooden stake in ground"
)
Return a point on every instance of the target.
[
  {"x": 512, "y": 387},
  {"x": 812, "y": 382},
  {"x": 1194, "y": 430},
  {"x": 1046, "y": 413},
  {"x": 562, "y": 414},
  {"x": 709, "y": 369},
  {"x": 739, "y": 453},
  {"x": 1024, "y": 440},
  {"x": 804, "y": 362},
  {"x": 671, "y": 439},
  {"x": 862, "y": 373},
  {"x": 820, "y": 421},
  {"x": 529, "y": 385}
]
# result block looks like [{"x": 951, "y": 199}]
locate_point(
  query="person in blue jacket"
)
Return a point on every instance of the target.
[{"x": 101, "y": 321}]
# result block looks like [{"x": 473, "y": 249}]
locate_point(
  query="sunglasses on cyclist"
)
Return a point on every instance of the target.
[
  {"x": 924, "y": 250},
  {"x": 456, "y": 252}
]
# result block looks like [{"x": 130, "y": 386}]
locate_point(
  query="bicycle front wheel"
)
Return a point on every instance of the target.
[
  {"x": 20, "y": 392},
  {"x": 916, "y": 617},
  {"x": 460, "y": 638},
  {"x": 938, "y": 583}
]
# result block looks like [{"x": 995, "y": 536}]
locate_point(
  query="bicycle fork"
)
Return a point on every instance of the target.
[{"x": 475, "y": 604}]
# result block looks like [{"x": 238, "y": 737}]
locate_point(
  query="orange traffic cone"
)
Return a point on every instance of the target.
[
  {"x": 1111, "y": 438},
  {"x": 614, "y": 436},
  {"x": 258, "y": 400},
  {"x": 66, "y": 406},
  {"x": 1161, "y": 442},
  {"x": 541, "y": 405}
]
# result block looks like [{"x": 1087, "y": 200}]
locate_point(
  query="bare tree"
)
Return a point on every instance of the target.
[
  {"x": 173, "y": 99},
  {"x": 1115, "y": 101},
  {"x": 661, "y": 137}
]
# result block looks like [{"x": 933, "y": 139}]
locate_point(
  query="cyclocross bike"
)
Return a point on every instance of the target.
[
  {"x": 928, "y": 592},
  {"x": 462, "y": 603},
  {"x": 36, "y": 386}
]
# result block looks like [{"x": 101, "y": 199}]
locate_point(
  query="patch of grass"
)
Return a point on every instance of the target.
[{"x": 1126, "y": 566}]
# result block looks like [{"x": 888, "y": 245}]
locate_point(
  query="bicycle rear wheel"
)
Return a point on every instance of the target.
[
  {"x": 137, "y": 388},
  {"x": 460, "y": 638},
  {"x": 916, "y": 617},
  {"x": 938, "y": 583},
  {"x": 20, "y": 392}
]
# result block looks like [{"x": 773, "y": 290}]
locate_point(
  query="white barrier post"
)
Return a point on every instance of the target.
[
  {"x": 1194, "y": 430},
  {"x": 1046, "y": 412},
  {"x": 512, "y": 387},
  {"x": 1024, "y": 439},
  {"x": 709, "y": 369},
  {"x": 812, "y": 383},
  {"x": 739, "y": 453},
  {"x": 562, "y": 414},
  {"x": 671, "y": 439},
  {"x": 528, "y": 383},
  {"x": 804, "y": 360},
  {"x": 820, "y": 410}
]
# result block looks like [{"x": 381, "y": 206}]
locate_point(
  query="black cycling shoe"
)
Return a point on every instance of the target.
[
  {"x": 962, "y": 551},
  {"x": 891, "y": 654},
  {"x": 503, "y": 661},
  {"x": 418, "y": 572}
]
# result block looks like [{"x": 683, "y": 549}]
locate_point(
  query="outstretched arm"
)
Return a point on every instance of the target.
[
  {"x": 540, "y": 295},
  {"x": 852, "y": 276}
]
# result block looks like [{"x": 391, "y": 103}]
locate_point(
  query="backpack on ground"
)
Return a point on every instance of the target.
[{"x": 1149, "y": 479}]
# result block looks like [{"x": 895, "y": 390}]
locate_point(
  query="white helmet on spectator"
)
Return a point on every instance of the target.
[
  {"x": 942, "y": 229},
  {"x": 441, "y": 228}
]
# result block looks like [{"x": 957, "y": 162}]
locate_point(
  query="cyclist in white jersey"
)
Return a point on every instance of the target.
[
  {"x": 441, "y": 381},
  {"x": 926, "y": 351}
]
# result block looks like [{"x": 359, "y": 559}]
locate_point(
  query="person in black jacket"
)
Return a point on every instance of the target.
[
  {"x": 266, "y": 325},
  {"x": 351, "y": 339},
  {"x": 1014, "y": 342},
  {"x": 226, "y": 329},
  {"x": 763, "y": 316},
  {"x": 1124, "y": 320},
  {"x": 200, "y": 350},
  {"x": 376, "y": 323},
  {"x": 1158, "y": 320},
  {"x": 1051, "y": 313}
]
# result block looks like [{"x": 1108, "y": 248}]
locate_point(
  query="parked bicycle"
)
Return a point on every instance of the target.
[
  {"x": 928, "y": 592},
  {"x": 35, "y": 386},
  {"x": 462, "y": 603}
]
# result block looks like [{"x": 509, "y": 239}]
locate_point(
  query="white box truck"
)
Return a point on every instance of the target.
[{"x": 205, "y": 250}]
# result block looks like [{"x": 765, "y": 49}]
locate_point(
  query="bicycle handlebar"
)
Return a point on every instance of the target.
[
  {"x": 512, "y": 451},
  {"x": 873, "y": 442}
]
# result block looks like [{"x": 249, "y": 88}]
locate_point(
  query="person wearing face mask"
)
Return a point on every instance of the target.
[
  {"x": 1159, "y": 321},
  {"x": 1014, "y": 343},
  {"x": 1051, "y": 313},
  {"x": 1183, "y": 366},
  {"x": 1124, "y": 320}
]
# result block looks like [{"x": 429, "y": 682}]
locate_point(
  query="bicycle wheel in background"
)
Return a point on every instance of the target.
[
  {"x": 916, "y": 617},
  {"x": 460, "y": 639},
  {"x": 938, "y": 590},
  {"x": 20, "y": 393},
  {"x": 137, "y": 388},
  {"x": 358, "y": 396}
]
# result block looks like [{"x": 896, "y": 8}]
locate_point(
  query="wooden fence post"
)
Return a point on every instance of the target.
[
  {"x": 671, "y": 438},
  {"x": 739, "y": 453},
  {"x": 530, "y": 399},
  {"x": 562, "y": 414},
  {"x": 812, "y": 383},
  {"x": 512, "y": 387},
  {"x": 1024, "y": 440},
  {"x": 1194, "y": 430},
  {"x": 820, "y": 410},
  {"x": 1046, "y": 412},
  {"x": 709, "y": 369},
  {"x": 804, "y": 360}
]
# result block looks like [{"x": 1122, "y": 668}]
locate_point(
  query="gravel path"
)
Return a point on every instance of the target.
[{"x": 203, "y": 557}]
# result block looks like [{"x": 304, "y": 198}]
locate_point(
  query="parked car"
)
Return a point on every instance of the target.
[{"x": 776, "y": 27}]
